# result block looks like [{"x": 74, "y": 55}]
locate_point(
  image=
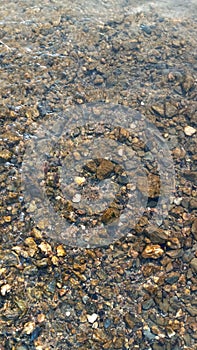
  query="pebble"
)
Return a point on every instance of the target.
[
  {"x": 172, "y": 277},
  {"x": 5, "y": 154},
  {"x": 194, "y": 228},
  {"x": 145, "y": 28},
  {"x": 189, "y": 130},
  {"x": 6, "y": 288},
  {"x": 107, "y": 323},
  {"x": 76, "y": 198},
  {"x": 45, "y": 248},
  {"x": 60, "y": 251},
  {"x": 178, "y": 201},
  {"x": 153, "y": 251},
  {"x": 29, "y": 327},
  {"x": 92, "y": 318},
  {"x": 79, "y": 180},
  {"x": 193, "y": 264}
]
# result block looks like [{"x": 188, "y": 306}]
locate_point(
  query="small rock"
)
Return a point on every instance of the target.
[
  {"x": 188, "y": 84},
  {"x": 107, "y": 323},
  {"x": 32, "y": 207},
  {"x": 146, "y": 29},
  {"x": 153, "y": 251},
  {"x": 150, "y": 189},
  {"x": 190, "y": 175},
  {"x": 79, "y": 180},
  {"x": 189, "y": 130},
  {"x": 174, "y": 243},
  {"x": 172, "y": 277},
  {"x": 61, "y": 251},
  {"x": 129, "y": 320},
  {"x": 193, "y": 203},
  {"x": 92, "y": 318},
  {"x": 29, "y": 241},
  {"x": 109, "y": 215},
  {"x": 171, "y": 110},
  {"x": 76, "y": 198},
  {"x": 40, "y": 318},
  {"x": 178, "y": 201},
  {"x": 120, "y": 152},
  {"x": 158, "y": 109},
  {"x": 98, "y": 79},
  {"x": 91, "y": 166},
  {"x": 192, "y": 310},
  {"x": 148, "y": 334},
  {"x": 29, "y": 327},
  {"x": 194, "y": 228},
  {"x": 170, "y": 332},
  {"x": 148, "y": 304},
  {"x": 45, "y": 248},
  {"x": 5, "y": 154},
  {"x": 193, "y": 264},
  {"x": 178, "y": 153},
  {"x": 99, "y": 336},
  {"x": 5, "y": 289},
  {"x": 105, "y": 168}
]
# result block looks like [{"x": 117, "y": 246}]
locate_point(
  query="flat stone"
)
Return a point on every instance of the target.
[
  {"x": 192, "y": 310},
  {"x": 172, "y": 277},
  {"x": 190, "y": 175},
  {"x": 158, "y": 109},
  {"x": 105, "y": 168},
  {"x": 149, "y": 187},
  {"x": 171, "y": 110}
]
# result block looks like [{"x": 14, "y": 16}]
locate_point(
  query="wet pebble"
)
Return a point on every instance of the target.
[
  {"x": 189, "y": 130},
  {"x": 145, "y": 28}
]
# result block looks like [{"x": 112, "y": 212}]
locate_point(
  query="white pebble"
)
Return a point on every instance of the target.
[
  {"x": 5, "y": 289},
  {"x": 178, "y": 201},
  {"x": 76, "y": 198},
  {"x": 120, "y": 152},
  {"x": 189, "y": 130},
  {"x": 92, "y": 318}
]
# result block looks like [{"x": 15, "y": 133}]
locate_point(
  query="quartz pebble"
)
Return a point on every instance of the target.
[
  {"x": 76, "y": 198},
  {"x": 189, "y": 130},
  {"x": 5, "y": 289},
  {"x": 92, "y": 318}
]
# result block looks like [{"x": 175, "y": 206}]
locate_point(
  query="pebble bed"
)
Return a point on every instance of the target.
[{"x": 139, "y": 291}]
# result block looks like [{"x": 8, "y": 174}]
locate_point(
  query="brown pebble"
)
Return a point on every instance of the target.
[
  {"x": 153, "y": 251},
  {"x": 193, "y": 264}
]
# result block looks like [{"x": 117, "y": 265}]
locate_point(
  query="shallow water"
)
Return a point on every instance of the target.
[{"x": 69, "y": 63}]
